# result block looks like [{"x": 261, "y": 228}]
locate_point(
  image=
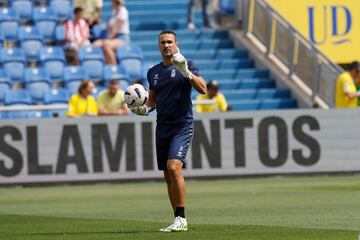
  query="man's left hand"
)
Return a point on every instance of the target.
[{"x": 180, "y": 63}]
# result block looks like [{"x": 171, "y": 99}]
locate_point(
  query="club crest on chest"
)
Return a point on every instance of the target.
[{"x": 173, "y": 73}]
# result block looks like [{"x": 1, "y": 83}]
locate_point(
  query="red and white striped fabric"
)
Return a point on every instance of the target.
[{"x": 77, "y": 32}]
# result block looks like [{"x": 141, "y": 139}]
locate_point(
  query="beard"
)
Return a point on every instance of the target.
[{"x": 168, "y": 53}]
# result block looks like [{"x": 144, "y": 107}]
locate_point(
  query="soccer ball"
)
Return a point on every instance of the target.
[{"x": 136, "y": 95}]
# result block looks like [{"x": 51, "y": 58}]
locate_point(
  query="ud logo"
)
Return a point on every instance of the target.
[
  {"x": 337, "y": 28},
  {"x": 173, "y": 73}
]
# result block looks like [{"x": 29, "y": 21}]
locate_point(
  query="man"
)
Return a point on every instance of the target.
[
  {"x": 77, "y": 33},
  {"x": 346, "y": 94},
  {"x": 92, "y": 10},
  {"x": 212, "y": 94},
  {"x": 111, "y": 101},
  {"x": 170, "y": 93}
]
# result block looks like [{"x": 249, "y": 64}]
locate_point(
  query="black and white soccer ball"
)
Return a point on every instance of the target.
[{"x": 136, "y": 95}]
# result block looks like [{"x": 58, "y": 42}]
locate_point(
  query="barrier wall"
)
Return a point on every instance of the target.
[
  {"x": 115, "y": 148},
  {"x": 333, "y": 25}
]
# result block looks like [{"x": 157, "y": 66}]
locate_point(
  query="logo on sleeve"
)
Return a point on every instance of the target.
[
  {"x": 180, "y": 152},
  {"x": 156, "y": 77}
]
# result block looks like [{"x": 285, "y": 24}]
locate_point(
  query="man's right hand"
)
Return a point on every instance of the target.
[{"x": 140, "y": 110}]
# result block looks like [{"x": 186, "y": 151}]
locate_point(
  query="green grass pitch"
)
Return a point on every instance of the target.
[{"x": 275, "y": 208}]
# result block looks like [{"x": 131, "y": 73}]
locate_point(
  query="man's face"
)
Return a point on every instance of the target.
[
  {"x": 167, "y": 45},
  {"x": 79, "y": 15},
  {"x": 112, "y": 89},
  {"x": 211, "y": 92}
]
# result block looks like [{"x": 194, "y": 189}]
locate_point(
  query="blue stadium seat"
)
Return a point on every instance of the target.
[
  {"x": 56, "y": 113},
  {"x": 23, "y": 9},
  {"x": 91, "y": 53},
  {"x": 246, "y": 84},
  {"x": 227, "y": 7},
  {"x": 8, "y": 24},
  {"x": 45, "y": 20},
  {"x": 73, "y": 86},
  {"x": 63, "y": 9},
  {"x": 245, "y": 105},
  {"x": 33, "y": 114},
  {"x": 5, "y": 85},
  {"x": 13, "y": 61},
  {"x": 37, "y": 82},
  {"x": 60, "y": 35},
  {"x": 74, "y": 73},
  {"x": 123, "y": 84},
  {"x": 53, "y": 60},
  {"x": 91, "y": 58},
  {"x": 17, "y": 97},
  {"x": 73, "y": 76},
  {"x": 17, "y": 114},
  {"x": 37, "y": 114},
  {"x": 97, "y": 91},
  {"x": 31, "y": 42},
  {"x": 7, "y": 14},
  {"x": 278, "y": 104},
  {"x": 56, "y": 96},
  {"x": 3, "y": 115},
  {"x": 99, "y": 31},
  {"x": 1, "y": 39},
  {"x": 132, "y": 59},
  {"x": 36, "y": 75},
  {"x": 112, "y": 72},
  {"x": 44, "y": 13}
]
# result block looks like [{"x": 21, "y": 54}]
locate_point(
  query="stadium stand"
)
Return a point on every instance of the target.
[
  {"x": 245, "y": 86},
  {"x": 32, "y": 54}
]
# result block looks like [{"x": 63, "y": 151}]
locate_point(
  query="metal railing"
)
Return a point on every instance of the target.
[{"x": 283, "y": 43}]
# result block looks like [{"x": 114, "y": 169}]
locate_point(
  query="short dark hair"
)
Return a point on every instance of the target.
[
  {"x": 114, "y": 82},
  {"x": 212, "y": 85},
  {"x": 118, "y": 1},
  {"x": 78, "y": 10},
  {"x": 168, "y": 32},
  {"x": 355, "y": 65}
]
